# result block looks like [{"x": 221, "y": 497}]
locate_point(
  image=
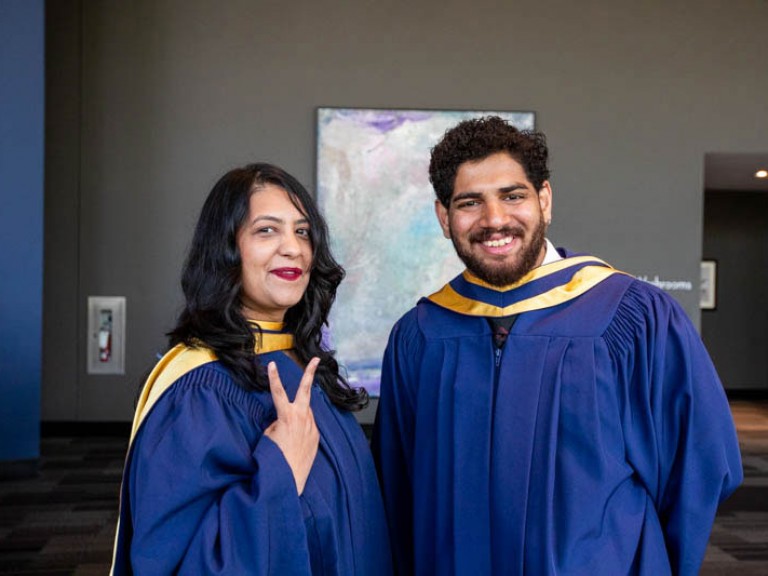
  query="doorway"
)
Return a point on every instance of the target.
[{"x": 734, "y": 319}]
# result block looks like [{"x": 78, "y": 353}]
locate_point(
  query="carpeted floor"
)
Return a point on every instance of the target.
[
  {"x": 62, "y": 522},
  {"x": 739, "y": 542}
]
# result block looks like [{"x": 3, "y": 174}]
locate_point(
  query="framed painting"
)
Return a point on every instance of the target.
[
  {"x": 373, "y": 188},
  {"x": 708, "y": 294}
]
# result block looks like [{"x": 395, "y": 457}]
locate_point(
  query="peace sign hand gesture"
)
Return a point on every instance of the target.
[{"x": 295, "y": 431}]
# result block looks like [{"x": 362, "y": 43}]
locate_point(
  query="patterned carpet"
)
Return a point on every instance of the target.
[
  {"x": 739, "y": 541},
  {"x": 62, "y": 522}
]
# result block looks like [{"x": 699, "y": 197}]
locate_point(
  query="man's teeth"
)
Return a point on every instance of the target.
[{"x": 497, "y": 243}]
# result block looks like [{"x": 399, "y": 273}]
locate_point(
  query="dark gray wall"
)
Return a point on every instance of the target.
[
  {"x": 154, "y": 99},
  {"x": 736, "y": 236}
]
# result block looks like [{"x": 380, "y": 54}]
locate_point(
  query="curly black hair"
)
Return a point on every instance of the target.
[
  {"x": 212, "y": 284},
  {"x": 478, "y": 138}
]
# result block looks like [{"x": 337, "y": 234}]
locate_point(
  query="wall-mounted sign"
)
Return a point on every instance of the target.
[{"x": 669, "y": 285}]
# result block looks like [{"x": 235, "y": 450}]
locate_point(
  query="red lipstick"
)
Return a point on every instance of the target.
[{"x": 290, "y": 274}]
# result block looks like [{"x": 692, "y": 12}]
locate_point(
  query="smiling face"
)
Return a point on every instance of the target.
[
  {"x": 276, "y": 255},
  {"x": 496, "y": 219}
]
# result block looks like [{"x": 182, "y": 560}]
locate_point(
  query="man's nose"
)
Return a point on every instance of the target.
[{"x": 494, "y": 214}]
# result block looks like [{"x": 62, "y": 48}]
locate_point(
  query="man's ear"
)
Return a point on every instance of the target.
[
  {"x": 442, "y": 217},
  {"x": 545, "y": 201}
]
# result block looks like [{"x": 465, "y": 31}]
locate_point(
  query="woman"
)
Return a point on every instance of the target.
[{"x": 245, "y": 457}]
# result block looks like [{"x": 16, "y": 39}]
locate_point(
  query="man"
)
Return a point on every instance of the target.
[{"x": 543, "y": 413}]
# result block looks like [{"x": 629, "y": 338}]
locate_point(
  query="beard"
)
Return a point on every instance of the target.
[{"x": 503, "y": 273}]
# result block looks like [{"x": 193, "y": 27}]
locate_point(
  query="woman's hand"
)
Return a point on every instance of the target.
[{"x": 295, "y": 431}]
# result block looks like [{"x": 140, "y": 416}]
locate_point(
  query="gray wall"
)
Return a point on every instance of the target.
[
  {"x": 150, "y": 101},
  {"x": 736, "y": 236}
]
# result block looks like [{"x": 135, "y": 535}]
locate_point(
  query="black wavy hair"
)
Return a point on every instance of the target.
[
  {"x": 478, "y": 138},
  {"x": 212, "y": 285}
]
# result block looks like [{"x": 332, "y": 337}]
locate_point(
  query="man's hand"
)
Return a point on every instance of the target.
[{"x": 295, "y": 431}]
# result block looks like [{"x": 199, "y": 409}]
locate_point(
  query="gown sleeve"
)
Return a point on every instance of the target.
[
  {"x": 679, "y": 432},
  {"x": 393, "y": 432},
  {"x": 209, "y": 494}
]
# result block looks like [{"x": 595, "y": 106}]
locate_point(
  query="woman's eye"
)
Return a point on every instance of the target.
[
  {"x": 265, "y": 230},
  {"x": 303, "y": 232}
]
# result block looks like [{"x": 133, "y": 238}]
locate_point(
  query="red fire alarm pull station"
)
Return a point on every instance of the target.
[{"x": 106, "y": 335}]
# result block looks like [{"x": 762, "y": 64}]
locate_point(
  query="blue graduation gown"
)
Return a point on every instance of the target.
[
  {"x": 598, "y": 441},
  {"x": 205, "y": 492}
]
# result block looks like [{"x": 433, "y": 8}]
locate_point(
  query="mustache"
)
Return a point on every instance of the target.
[{"x": 485, "y": 234}]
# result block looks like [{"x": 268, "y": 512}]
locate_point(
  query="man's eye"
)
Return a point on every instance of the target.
[
  {"x": 513, "y": 197},
  {"x": 468, "y": 203}
]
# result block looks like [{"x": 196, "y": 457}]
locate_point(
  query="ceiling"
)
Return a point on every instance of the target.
[{"x": 728, "y": 171}]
